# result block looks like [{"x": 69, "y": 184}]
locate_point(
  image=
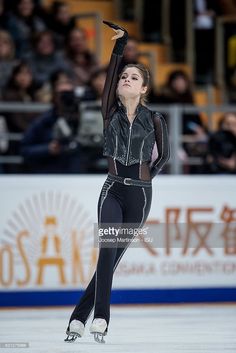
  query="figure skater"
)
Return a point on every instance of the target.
[{"x": 131, "y": 131}]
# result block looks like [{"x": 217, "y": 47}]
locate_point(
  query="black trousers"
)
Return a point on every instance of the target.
[{"x": 119, "y": 204}]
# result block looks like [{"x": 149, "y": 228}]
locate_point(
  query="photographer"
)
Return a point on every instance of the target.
[{"x": 50, "y": 145}]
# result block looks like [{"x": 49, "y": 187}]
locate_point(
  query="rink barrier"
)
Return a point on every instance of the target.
[{"x": 120, "y": 296}]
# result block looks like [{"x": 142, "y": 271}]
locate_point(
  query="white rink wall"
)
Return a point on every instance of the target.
[{"x": 47, "y": 241}]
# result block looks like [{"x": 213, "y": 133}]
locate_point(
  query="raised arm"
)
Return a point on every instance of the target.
[
  {"x": 162, "y": 141},
  {"x": 109, "y": 92}
]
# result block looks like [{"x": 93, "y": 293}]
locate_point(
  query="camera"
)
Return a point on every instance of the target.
[{"x": 66, "y": 128}]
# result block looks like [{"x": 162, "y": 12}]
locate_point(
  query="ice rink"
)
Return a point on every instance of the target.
[{"x": 149, "y": 329}]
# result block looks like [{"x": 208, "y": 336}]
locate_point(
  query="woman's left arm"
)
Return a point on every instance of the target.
[{"x": 162, "y": 141}]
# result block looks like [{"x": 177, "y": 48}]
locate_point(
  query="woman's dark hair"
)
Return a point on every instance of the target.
[
  {"x": 16, "y": 6},
  {"x": 178, "y": 73},
  {"x": 222, "y": 144},
  {"x": 39, "y": 35},
  {"x": 172, "y": 94},
  {"x": 145, "y": 76},
  {"x": 55, "y": 76},
  {"x": 56, "y": 6},
  {"x": 16, "y": 70}
]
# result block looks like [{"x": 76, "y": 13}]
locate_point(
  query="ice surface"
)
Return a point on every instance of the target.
[{"x": 132, "y": 329}]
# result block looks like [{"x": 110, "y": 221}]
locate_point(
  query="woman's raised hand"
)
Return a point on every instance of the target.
[{"x": 120, "y": 31}]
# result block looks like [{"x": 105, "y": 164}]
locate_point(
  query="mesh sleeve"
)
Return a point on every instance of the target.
[
  {"x": 109, "y": 92},
  {"x": 162, "y": 142}
]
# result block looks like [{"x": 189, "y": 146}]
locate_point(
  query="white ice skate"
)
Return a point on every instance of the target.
[
  {"x": 99, "y": 329},
  {"x": 76, "y": 329}
]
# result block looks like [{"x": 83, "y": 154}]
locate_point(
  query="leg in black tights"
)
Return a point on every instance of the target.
[{"x": 117, "y": 204}]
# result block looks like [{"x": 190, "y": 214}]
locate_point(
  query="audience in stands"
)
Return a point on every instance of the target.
[
  {"x": 7, "y": 57},
  {"x": 50, "y": 144},
  {"x": 204, "y": 25},
  {"x": 228, "y": 123},
  {"x": 44, "y": 59},
  {"x": 178, "y": 90},
  {"x": 4, "y": 141},
  {"x": 131, "y": 52},
  {"x": 81, "y": 61},
  {"x": 221, "y": 157},
  {"x": 3, "y": 15},
  {"x": 22, "y": 24},
  {"x": 20, "y": 88},
  {"x": 40, "y": 46},
  {"x": 95, "y": 86},
  {"x": 60, "y": 22}
]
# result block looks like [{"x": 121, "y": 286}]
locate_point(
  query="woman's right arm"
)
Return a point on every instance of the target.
[{"x": 109, "y": 92}]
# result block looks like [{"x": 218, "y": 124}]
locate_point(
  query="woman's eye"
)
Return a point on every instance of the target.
[
  {"x": 134, "y": 78},
  {"x": 123, "y": 77}
]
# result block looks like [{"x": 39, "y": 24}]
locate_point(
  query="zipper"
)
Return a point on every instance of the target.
[
  {"x": 141, "y": 152},
  {"x": 115, "y": 148},
  {"x": 130, "y": 130}
]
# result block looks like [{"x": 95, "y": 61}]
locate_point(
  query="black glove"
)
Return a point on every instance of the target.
[
  {"x": 120, "y": 42},
  {"x": 114, "y": 26}
]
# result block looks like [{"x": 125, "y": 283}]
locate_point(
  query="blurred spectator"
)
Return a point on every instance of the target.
[
  {"x": 79, "y": 58},
  {"x": 91, "y": 131},
  {"x": 95, "y": 86},
  {"x": 178, "y": 29},
  {"x": 20, "y": 88},
  {"x": 205, "y": 13},
  {"x": 131, "y": 52},
  {"x": 178, "y": 90},
  {"x": 61, "y": 22},
  {"x": 7, "y": 57},
  {"x": 227, "y": 7},
  {"x": 50, "y": 144},
  {"x": 44, "y": 60},
  {"x": 3, "y": 15},
  {"x": 152, "y": 19},
  {"x": 222, "y": 153},
  {"x": 4, "y": 142},
  {"x": 228, "y": 123},
  {"x": 23, "y": 23}
]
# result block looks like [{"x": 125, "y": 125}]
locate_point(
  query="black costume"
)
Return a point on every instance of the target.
[{"x": 126, "y": 194}]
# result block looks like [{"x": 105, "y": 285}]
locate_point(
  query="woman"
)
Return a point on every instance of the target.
[
  {"x": 23, "y": 23},
  {"x": 20, "y": 88},
  {"x": 130, "y": 132},
  {"x": 7, "y": 57},
  {"x": 80, "y": 60}
]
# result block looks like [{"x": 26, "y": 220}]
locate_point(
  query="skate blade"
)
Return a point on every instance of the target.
[
  {"x": 71, "y": 337},
  {"x": 99, "y": 337}
]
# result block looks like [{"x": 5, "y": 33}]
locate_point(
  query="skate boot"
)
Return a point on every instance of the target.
[
  {"x": 99, "y": 329},
  {"x": 75, "y": 329}
]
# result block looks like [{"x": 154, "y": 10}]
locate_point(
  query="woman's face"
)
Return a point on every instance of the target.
[
  {"x": 130, "y": 84},
  {"x": 45, "y": 45},
  {"x": 63, "y": 14},
  {"x": 77, "y": 41},
  {"x": 23, "y": 78},
  {"x": 180, "y": 85},
  {"x": 5, "y": 48},
  {"x": 98, "y": 83},
  {"x": 131, "y": 51},
  {"x": 25, "y": 8}
]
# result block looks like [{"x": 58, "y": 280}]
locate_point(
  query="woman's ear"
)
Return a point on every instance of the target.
[{"x": 144, "y": 89}]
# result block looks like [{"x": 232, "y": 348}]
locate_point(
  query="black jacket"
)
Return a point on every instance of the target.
[{"x": 127, "y": 142}]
